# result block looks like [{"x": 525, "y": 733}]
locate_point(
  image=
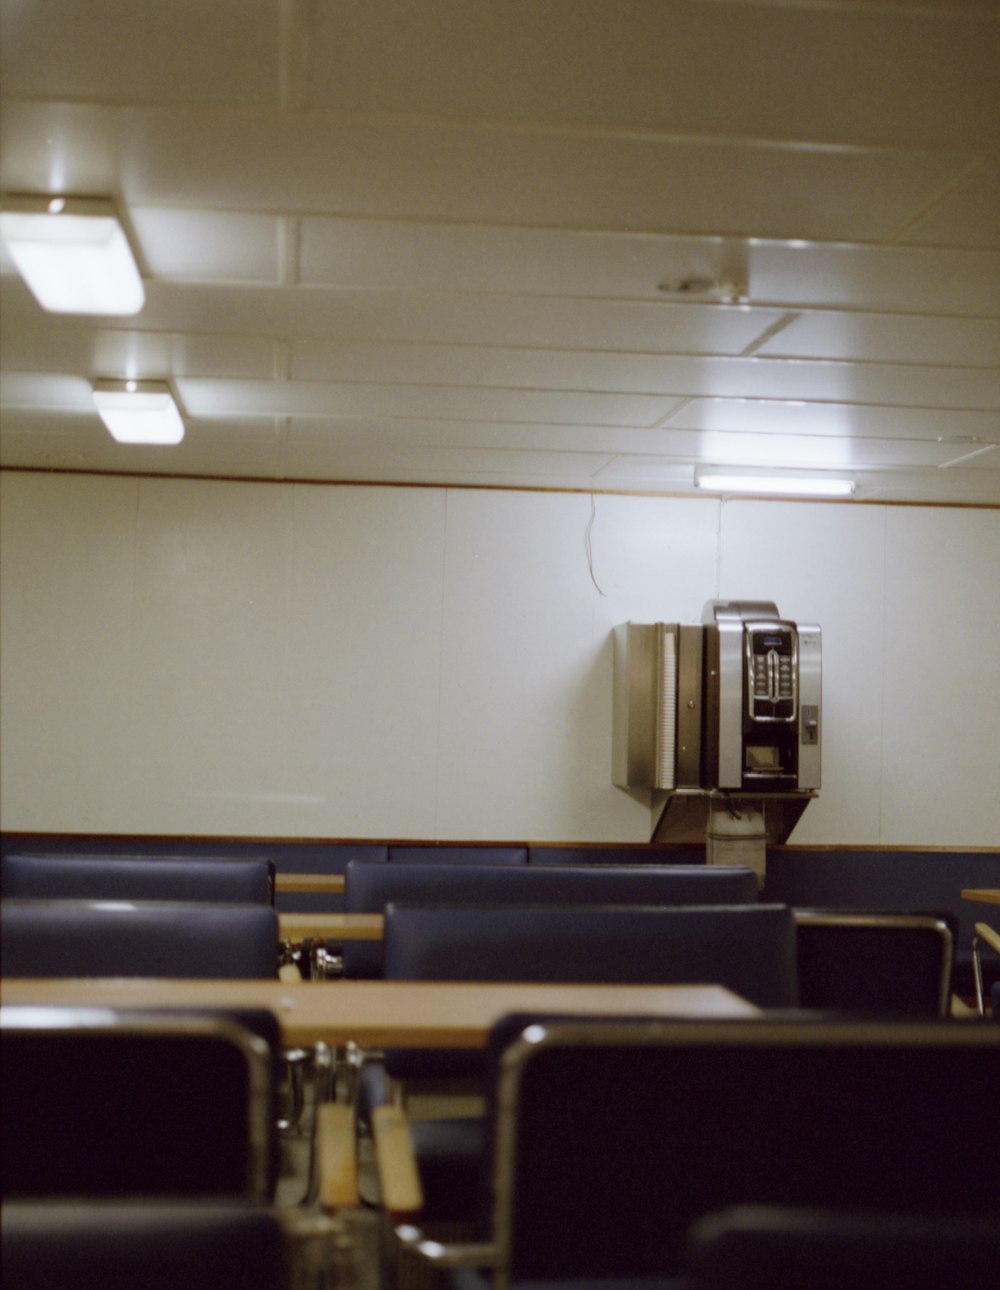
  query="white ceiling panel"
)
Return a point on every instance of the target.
[
  {"x": 967, "y": 215},
  {"x": 412, "y": 255},
  {"x": 467, "y": 433},
  {"x": 819, "y": 452},
  {"x": 52, "y": 390},
  {"x": 356, "y": 314},
  {"x": 981, "y": 458},
  {"x": 757, "y": 452},
  {"x": 493, "y": 241},
  {"x": 780, "y": 418},
  {"x": 83, "y": 423},
  {"x": 362, "y": 459},
  {"x": 902, "y": 76},
  {"x": 76, "y": 441},
  {"x": 976, "y": 457},
  {"x": 482, "y": 174},
  {"x": 888, "y": 338},
  {"x": 887, "y": 278},
  {"x": 215, "y": 246},
  {"x": 743, "y": 448},
  {"x": 646, "y": 374},
  {"x": 174, "y": 51},
  {"x": 618, "y": 326},
  {"x": 120, "y": 353},
  {"x": 286, "y": 398}
]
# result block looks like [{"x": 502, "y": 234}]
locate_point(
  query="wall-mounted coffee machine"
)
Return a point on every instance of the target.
[{"x": 726, "y": 715}]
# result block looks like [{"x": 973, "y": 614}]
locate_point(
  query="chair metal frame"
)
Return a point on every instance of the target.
[
  {"x": 983, "y": 934},
  {"x": 495, "y": 1254},
  {"x": 745, "y": 1247},
  {"x": 291, "y": 1249},
  {"x": 877, "y": 920},
  {"x": 91, "y": 1022}
]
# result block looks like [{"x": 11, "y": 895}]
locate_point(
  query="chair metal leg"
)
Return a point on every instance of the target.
[
  {"x": 294, "y": 1061},
  {"x": 982, "y": 934},
  {"x": 977, "y": 974}
]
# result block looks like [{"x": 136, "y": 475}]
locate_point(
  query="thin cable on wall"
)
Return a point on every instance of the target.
[{"x": 589, "y": 545}]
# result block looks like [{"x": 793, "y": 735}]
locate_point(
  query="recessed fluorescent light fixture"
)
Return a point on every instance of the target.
[
  {"x": 718, "y": 480},
  {"x": 139, "y": 411},
  {"x": 73, "y": 254}
]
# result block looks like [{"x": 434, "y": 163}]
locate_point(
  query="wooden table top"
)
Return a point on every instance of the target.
[
  {"x": 331, "y": 883},
  {"x": 379, "y": 1014},
  {"x": 985, "y": 895},
  {"x": 330, "y": 927}
]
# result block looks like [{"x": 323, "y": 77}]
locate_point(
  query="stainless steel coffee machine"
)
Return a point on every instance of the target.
[
  {"x": 762, "y": 684},
  {"x": 725, "y": 715}
]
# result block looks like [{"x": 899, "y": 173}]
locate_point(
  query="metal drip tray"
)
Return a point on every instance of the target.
[{"x": 685, "y": 813}]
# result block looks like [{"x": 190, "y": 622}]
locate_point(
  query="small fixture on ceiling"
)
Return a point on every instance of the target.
[
  {"x": 785, "y": 484},
  {"x": 714, "y": 290},
  {"x": 139, "y": 411},
  {"x": 73, "y": 254}
]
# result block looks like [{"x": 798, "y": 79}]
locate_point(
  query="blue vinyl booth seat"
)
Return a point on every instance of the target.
[
  {"x": 89, "y": 877},
  {"x": 604, "y": 854},
  {"x": 368, "y": 889},
  {"x": 129, "y": 1103},
  {"x": 452, "y": 853},
  {"x": 749, "y": 948},
  {"x": 609, "y": 1140},
  {"x": 55, "y": 938}
]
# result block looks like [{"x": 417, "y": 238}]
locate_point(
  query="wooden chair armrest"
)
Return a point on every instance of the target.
[
  {"x": 395, "y": 1163},
  {"x": 402, "y": 1196},
  {"x": 336, "y": 1157}
]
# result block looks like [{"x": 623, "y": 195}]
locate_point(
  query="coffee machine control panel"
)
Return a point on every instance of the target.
[{"x": 772, "y": 671}]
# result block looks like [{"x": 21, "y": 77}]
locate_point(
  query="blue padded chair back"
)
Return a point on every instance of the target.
[
  {"x": 43, "y": 938},
  {"x": 886, "y": 964},
  {"x": 628, "y": 855},
  {"x": 616, "y": 1138},
  {"x": 887, "y": 881},
  {"x": 448, "y": 854},
  {"x": 99, "y": 1102},
  {"x": 369, "y": 889},
  {"x": 749, "y": 948},
  {"x": 762, "y": 1247},
  {"x": 286, "y": 856},
  {"x": 158, "y": 1246},
  {"x": 83, "y": 877}
]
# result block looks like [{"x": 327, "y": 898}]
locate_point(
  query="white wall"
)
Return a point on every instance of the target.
[{"x": 281, "y": 660}]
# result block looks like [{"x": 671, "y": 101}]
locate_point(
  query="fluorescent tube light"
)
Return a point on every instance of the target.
[
  {"x": 73, "y": 254},
  {"x": 785, "y": 485},
  {"x": 139, "y": 411}
]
